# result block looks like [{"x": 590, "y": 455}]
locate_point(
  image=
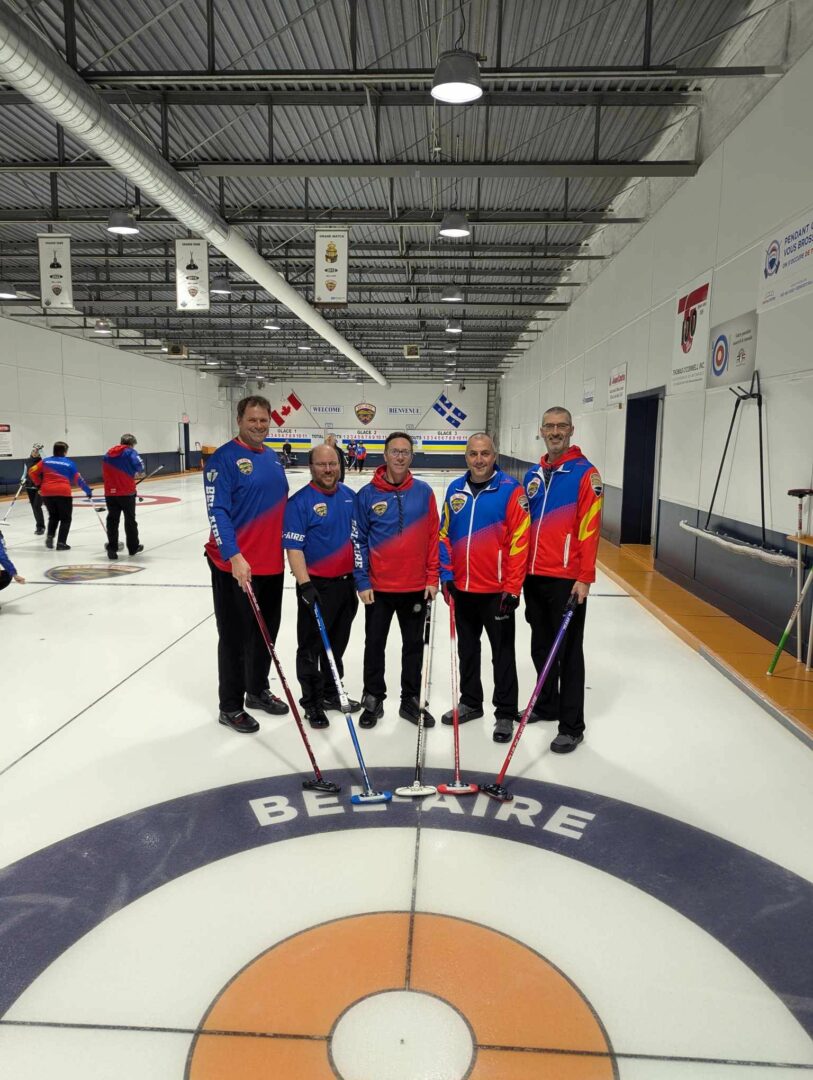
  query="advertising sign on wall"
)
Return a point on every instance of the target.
[
  {"x": 330, "y": 266},
  {"x": 691, "y": 336},
  {"x": 786, "y": 268},
  {"x": 5, "y": 441},
  {"x": 732, "y": 351},
  {"x": 56, "y": 286},
  {"x": 588, "y": 394},
  {"x": 617, "y": 387},
  {"x": 192, "y": 275}
]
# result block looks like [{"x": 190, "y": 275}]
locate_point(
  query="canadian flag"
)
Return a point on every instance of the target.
[{"x": 292, "y": 404}]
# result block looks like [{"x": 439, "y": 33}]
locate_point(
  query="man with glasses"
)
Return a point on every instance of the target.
[
  {"x": 316, "y": 538},
  {"x": 395, "y": 537},
  {"x": 484, "y": 553},
  {"x": 565, "y": 497}
]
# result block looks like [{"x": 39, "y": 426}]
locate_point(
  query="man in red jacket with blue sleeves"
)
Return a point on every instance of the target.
[
  {"x": 121, "y": 467},
  {"x": 316, "y": 538},
  {"x": 565, "y": 494},
  {"x": 246, "y": 491},
  {"x": 395, "y": 537},
  {"x": 483, "y": 556}
]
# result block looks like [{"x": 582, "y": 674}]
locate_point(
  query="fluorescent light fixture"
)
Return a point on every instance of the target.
[
  {"x": 454, "y": 326},
  {"x": 304, "y": 348},
  {"x": 457, "y": 78},
  {"x": 211, "y": 363},
  {"x": 454, "y": 224},
  {"x": 221, "y": 286},
  {"x": 102, "y": 327},
  {"x": 328, "y": 360},
  {"x": 122, "y": 223},
  {"x": 8, "y": 291},
  {"x": 271, "y": 324},
  {"x": 452, "y": 294},
  {"x": 165, "y": 347}
]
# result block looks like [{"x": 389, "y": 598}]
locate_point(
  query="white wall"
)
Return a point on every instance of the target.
[
  {"x": 719, "y": 221},
  {"x": 53, "y": 386}
]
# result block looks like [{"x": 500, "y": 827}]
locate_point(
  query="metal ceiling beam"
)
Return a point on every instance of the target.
[
  {"x": 297, "y": 253},
  {"x": 388, "y": 98},
  {"x": 452, "y": 310},
  {"x": 430, "y": 170}
]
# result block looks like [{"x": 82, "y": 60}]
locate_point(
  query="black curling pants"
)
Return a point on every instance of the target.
[
  {"x": 410, "y": 607},
  {"x": 338, "y": 604},
  {"x": 243, "y": 661},
  {"x": 118, "y": 507},
  {"x": 475, "y": 612},
  {"x": 60, "y": 513},
  {"x": 562, "y": 696}
]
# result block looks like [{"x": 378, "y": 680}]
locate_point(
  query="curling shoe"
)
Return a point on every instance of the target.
[
  {"x": 266, "y": 701},
  {"x": 315, "y": 715},
  {"x": 63, "y": 547},
  {"x": 411, "y": 710},
  {"x": 39, "y": 531},
  {"x": 566, "y": 744},
  {"x": 111, "y": 552},
  {"x": 239, "y": 721},
  {"x": 464, "y": 713},
  {"x": 372, "y": 712},
  {"x": 503, "y": 729},
  {"x": 49, "y": 542},
  {"x": 334, "y": 703},
  {"x": 137, "y": 550}
]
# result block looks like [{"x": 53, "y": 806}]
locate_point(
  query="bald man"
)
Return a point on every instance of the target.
[
  {"x": 483, "y": 558},
  {"x": 316, "y": 536}
]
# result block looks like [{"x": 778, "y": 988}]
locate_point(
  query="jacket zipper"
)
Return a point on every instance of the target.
[
  {"x": 567, "y": 550},
  {"x": 468, "y": 540},
  {"x": 539, "y": 523},
  {"x": 499, "y": 567}
]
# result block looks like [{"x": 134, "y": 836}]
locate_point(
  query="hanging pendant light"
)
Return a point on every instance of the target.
[
  {"x": 221, "y": 286},
  {"x": 454, "y": 326},
  {"x": 122, "y": 223},
  {"x": 8, "y": 291},
  {"x": 452, "y": 294},
  {"x": 454, "y": 224},
  {"x": 457, "y": 78},
  {"x": 102, "y": 327}
]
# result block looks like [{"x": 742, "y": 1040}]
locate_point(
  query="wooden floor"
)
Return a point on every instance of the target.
[{"x": 704, "y": 627}]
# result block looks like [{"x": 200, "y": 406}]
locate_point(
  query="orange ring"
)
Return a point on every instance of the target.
[{"x": 276, "y": 1016}]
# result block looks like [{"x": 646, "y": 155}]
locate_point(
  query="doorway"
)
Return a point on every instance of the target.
[{"x": 641, "y": 460}]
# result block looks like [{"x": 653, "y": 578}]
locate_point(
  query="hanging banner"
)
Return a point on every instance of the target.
[
  {"x": 785, "y": 271},
  {"x": 192, "y": 275},
  {"x": 56, "y": 285},
  {"x": 691, "y": 337},
  {"x": 617, "y": 386},
  {"x": 732, "y": 355},
  {"x": 330, "y": 266}
]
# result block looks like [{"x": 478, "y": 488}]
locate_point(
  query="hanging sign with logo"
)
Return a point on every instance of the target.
[
  {"x": 691, "y": 337},
  {"x": 56, "y": 286},
  {"x": 786, "y": 266},
  {"x": 732, "y": 353},
  {"x": 192, "y": 275},
  {"x": 330, "y": 266}
]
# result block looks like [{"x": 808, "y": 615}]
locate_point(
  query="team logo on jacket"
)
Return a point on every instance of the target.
[
  {"x": 533, "y": 487},
  {"x": 379, "y": 508},
  {"x": 523, "y": 501},
  {"x": 457, "y": 502},
  {"x": 211, "y": 475},
  {"x": 596, "y": 484},
  {"x": 245, "y": 466},
  {"x": 365, "y": 411},
  {"x": 320, "y": 509}
]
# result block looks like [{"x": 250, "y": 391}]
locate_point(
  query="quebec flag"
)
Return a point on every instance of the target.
[{"x": 448, "y": 411}]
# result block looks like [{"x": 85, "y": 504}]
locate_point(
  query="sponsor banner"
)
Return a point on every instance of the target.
[
  {"x": 691, "y": 335},
  {"x": 330, "y": 266},
  {"x": 428, "y": 442},
  {"x": 192, "y": 275},
  {"x": 786, "y": 268},
  {"x": 732, "y": 352},
  {"x": 617, "y": 386},
  {"x": 56, "y": 285},
  {"x": 589, "y": 393},
  {"x": 5, "y": 441}
]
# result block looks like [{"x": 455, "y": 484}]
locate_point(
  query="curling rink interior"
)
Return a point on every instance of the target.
[{"x": 173, "y": 905}]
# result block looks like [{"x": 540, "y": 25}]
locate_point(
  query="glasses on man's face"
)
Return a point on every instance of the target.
[
  {"x": 556, "y": 427},
  {"x": 399, "y": 453}
]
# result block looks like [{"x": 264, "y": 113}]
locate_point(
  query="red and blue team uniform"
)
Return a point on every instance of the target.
[
  {"x": 565, "y": 517},
  {"x": 246, "y": 491},
  {"x": 319, "y": 523},
  {"x": 5, "y": 562},
  {"x": 120, "y": 465},
  {"x": 484, "y": 536},
  {"x": 395, "y": 535},
  {"x": 56, "y": 476}
]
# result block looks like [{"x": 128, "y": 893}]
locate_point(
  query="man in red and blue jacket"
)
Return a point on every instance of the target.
[
  {"x": 395, "y": 537},
  {"x": 565, "y": 494},
  {"x": 55, "y": 476},
  {"x": 316, "y": 539},
  {"x": 484, "y": 554},
  {"x": 121, "y": 467},
  {"x": 246, "y": 492}
]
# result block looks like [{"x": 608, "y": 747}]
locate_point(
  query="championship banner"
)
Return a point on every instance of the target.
[
  {"x": 56, "y": 285},
  {"x": 784, "y": 271},
  {"x": 692, "y": 317},
  {"x": 330, "y": 266},
  {"x": 192, "y": 275},
  {"x": 732, "y": 356}
]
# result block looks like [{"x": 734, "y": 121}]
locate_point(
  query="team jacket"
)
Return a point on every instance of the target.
[
  {"x": 119, "y": 467},
  {"x": 565, "y": 518},
  {"x": 5, "y": 562},
  {"x": 395, "y": 535},
  {"x": 361, "y": 452},
  {"x": 484, "y": 536},
  {"x": 319, "y": 524},
  {"x": 56, "y": 476},
  {"x": 246, "y": 491}
]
